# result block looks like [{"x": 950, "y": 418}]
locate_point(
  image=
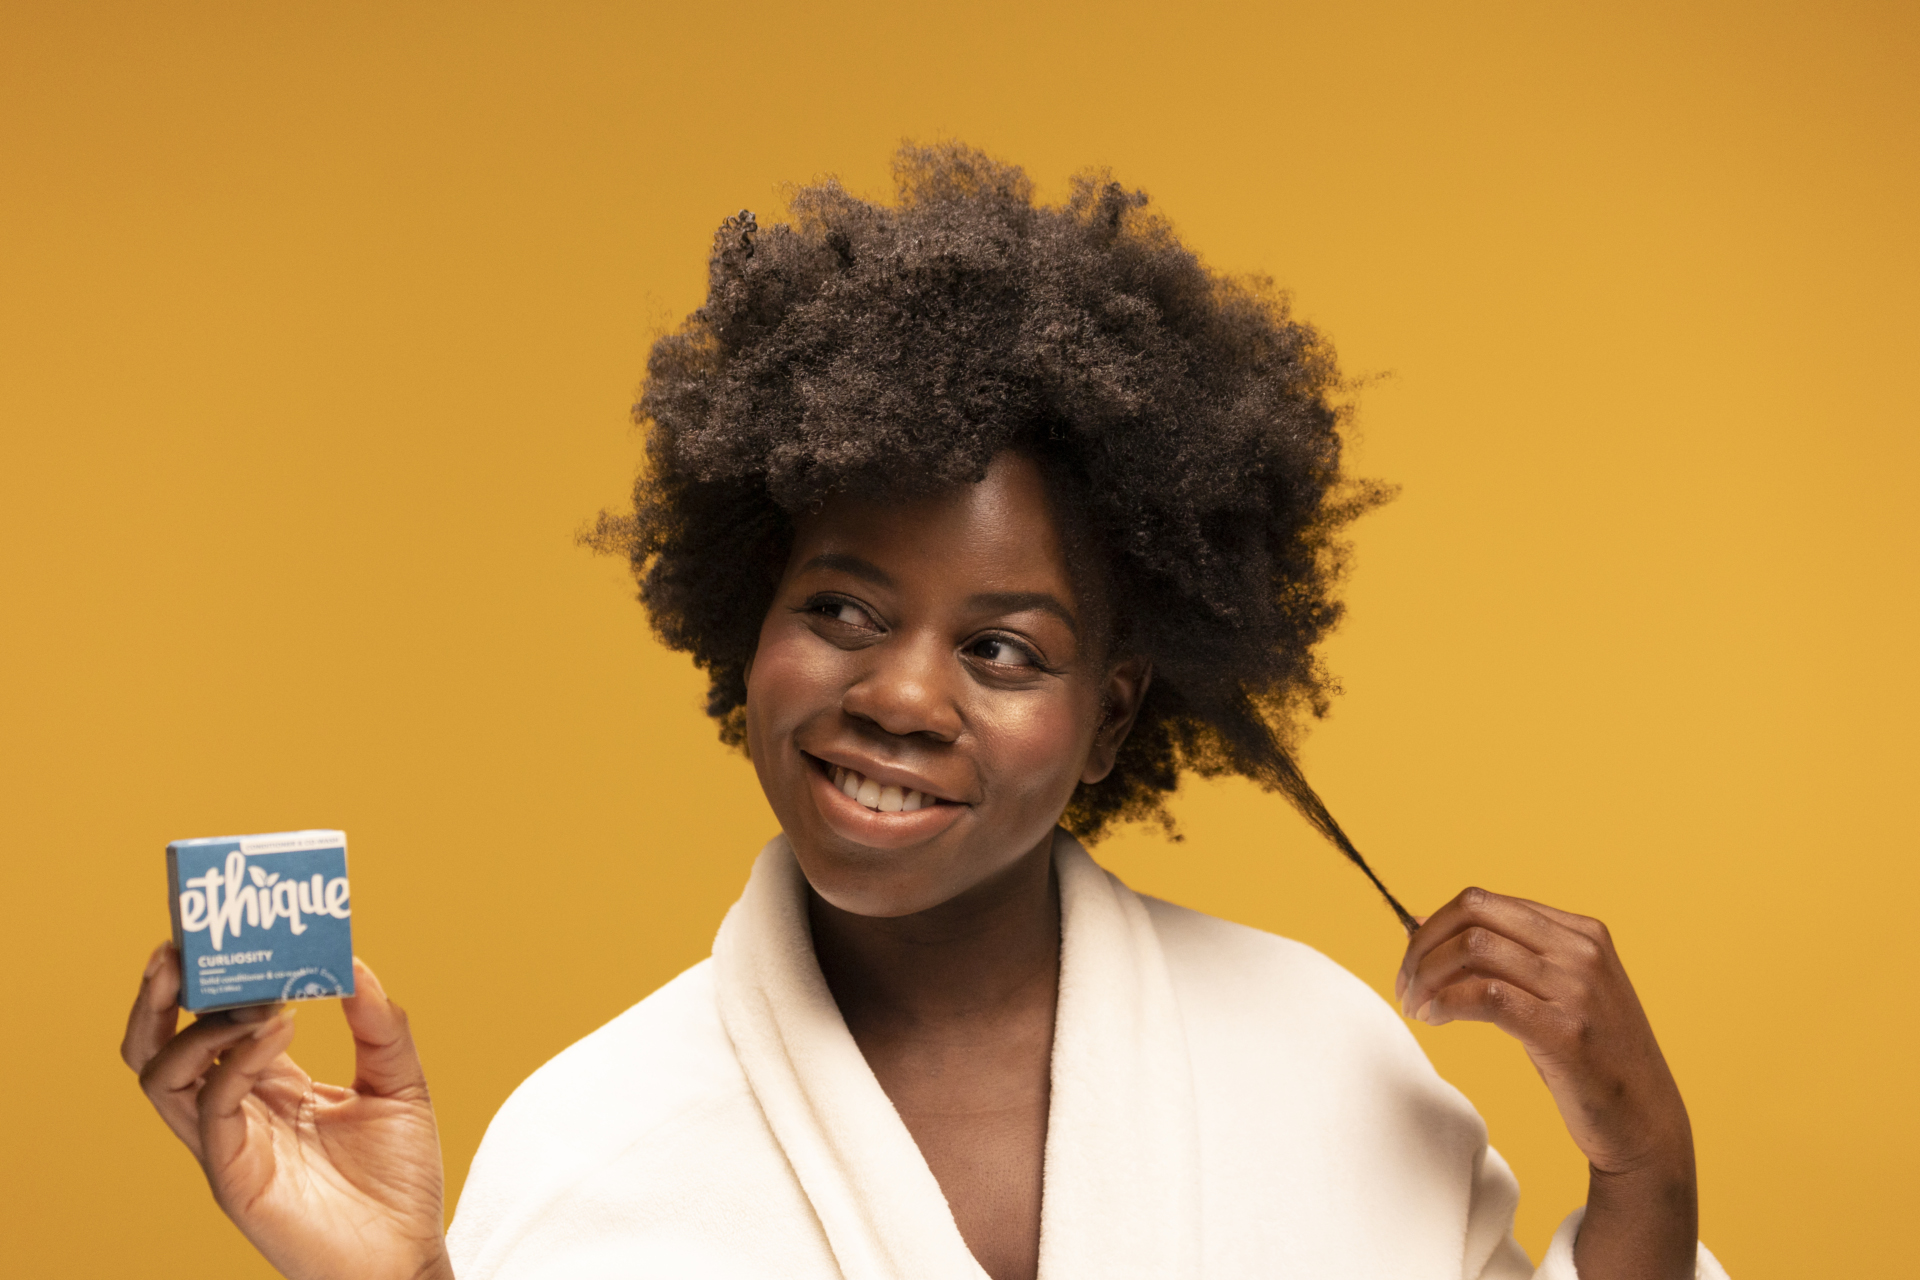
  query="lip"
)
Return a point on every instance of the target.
[
  {"x": 851, "y": 820},
  {"x": 884, "y": 774}
]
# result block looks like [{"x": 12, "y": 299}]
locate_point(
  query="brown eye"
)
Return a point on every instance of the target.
[
  {"x": 842, "y": 611},
  {"x": 1000, "y": 652}
]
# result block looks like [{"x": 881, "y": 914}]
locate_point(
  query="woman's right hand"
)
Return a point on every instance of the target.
[{"x": 328, "y": 1183}]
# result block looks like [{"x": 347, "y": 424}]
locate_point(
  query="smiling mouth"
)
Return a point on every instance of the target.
[{"x": 872, "y": 795}]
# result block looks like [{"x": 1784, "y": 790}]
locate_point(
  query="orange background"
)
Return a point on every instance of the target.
[{"x": 318, "y": 324}]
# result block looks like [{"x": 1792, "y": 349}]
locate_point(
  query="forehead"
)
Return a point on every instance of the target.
[{"x": 1001, "y": 528}]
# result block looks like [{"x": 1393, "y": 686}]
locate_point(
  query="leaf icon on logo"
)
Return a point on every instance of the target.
[
  {"x": 275, "y": 876},
  {"x": 259, "y": 877}
]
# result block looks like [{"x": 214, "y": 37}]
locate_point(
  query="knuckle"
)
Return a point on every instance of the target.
[
  {"x": 1474, "y": 898},
  {"x": 1479, "y": 942},
  {"x": 1593, "y": 930}
]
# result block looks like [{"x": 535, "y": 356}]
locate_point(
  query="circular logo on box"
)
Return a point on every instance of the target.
[{"x": 311, "y": 984}]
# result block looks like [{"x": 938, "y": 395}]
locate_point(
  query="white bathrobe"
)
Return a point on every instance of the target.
[{"x": 1225, "y": 1104}]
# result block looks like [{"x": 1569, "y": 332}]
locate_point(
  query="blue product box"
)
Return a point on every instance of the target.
[{"x": 261, "y": 918}]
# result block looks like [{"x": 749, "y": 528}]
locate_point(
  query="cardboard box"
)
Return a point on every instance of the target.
[{"x": 259, "y": 919}]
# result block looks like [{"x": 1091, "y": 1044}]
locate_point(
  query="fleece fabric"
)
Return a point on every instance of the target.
[{"x": 1225, "y": 1103}]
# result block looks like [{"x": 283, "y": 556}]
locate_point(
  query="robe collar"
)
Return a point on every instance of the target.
[{"x": 1120, "y": 1190}]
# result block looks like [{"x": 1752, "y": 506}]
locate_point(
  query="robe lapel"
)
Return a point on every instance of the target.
[
  {"x": 1121, "y": 1195},
  {"x": 1122, "y": 1181},
  {"x": 881, "y": 1208}
]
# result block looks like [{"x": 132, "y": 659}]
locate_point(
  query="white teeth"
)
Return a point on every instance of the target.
[{"x": 886, "y": 799}]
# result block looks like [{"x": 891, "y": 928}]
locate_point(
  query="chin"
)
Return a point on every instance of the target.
[{"x": 880, "y": 883}]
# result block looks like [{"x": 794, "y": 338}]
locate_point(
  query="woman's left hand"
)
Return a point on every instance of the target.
[{"x": 1552, "y": 980}]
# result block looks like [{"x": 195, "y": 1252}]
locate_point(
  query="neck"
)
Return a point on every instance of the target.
[{"x": 992, "y": 951}]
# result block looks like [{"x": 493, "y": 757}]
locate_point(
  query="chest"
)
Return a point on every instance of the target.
[{"x": 975, "y": 1100}]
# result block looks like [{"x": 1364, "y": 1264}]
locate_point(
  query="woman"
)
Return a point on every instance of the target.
[{"x": 987, "y": 521}]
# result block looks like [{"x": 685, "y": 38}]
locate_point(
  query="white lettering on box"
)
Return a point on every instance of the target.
[{"x": 247, "y": 897}]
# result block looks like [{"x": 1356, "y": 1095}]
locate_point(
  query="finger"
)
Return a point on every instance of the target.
[
  {"x": 384, "y": 1058},
  {"x": 172, "y": 1078},
  {"x": 1507, "y": 916},
  {"x": 156, "y": 1009},
  {"x": 1519, "y": 1013},
  {"x": 232, "y": 1166},
  {"x": 1477, "y": 952},
  {"x": 1585, "y": 925}
]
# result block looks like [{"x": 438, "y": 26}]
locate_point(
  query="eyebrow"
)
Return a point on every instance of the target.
[
  {"x": 985, "y": 602},
  {"x": 1020, "y": 601},
  {"x": 866, "y": 570}
]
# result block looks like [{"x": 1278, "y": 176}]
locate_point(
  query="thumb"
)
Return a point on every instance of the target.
[{"x": 385, "y": 1061}]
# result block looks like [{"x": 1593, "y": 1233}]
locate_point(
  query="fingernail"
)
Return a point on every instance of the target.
[
  {"x": 256, "y": 1012},
  {"x": 1423, "y": 1010},
  {"x": 154, "y": 961},
  {"x": 361, "y": 973},
  {"x": 274, "y": 1023}
]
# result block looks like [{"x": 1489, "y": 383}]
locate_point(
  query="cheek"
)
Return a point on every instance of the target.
[
  {"x": 1040, "y": 746},
  {"x": 790, "y": 680}
]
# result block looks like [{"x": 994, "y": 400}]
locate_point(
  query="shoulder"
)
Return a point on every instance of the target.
[
  {"x": 1223, "y": 963},
  {"x": 663, "y": 1063},
  {"x": 1277, "y": 1014},
  {"x": 1316, "y": 1103},
  {"x": 656, "y": 1053}
]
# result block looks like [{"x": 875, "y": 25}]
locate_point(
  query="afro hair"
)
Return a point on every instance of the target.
[{"x": 1187, "y": 423}]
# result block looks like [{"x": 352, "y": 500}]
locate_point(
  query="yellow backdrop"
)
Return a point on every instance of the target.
[{"x": 318, "y": 324}]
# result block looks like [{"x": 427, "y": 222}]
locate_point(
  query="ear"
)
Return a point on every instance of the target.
[{"x": 1120, "y": 697}]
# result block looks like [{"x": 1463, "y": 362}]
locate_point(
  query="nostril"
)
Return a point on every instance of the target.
[{"x": 903, "y": 705}]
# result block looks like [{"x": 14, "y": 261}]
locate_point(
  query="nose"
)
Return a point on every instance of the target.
[{"x": 907, "y": 687}]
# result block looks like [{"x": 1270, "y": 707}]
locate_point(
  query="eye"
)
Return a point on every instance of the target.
[
  {"x": 841, "y": 610},
  {"x": 1002, "y": 652}
]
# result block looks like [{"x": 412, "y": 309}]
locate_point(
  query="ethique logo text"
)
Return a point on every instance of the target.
[{"x": 219, "y": 903}]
